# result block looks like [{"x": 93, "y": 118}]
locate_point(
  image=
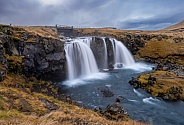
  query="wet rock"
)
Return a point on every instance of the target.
[
  {"x": 151, "y": 80},
  {"x": 173, "y": 94},
  {"x": 107, "y": 93},
  {"x": 98, "y": 110},
  {"x": 135, "y": 83},
  {"x": 115, "y": 111}
]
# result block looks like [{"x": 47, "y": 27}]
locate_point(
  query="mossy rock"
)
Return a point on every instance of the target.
[
  {"x": 167, "y": 85},
  {"x": 15, "y": 63}
]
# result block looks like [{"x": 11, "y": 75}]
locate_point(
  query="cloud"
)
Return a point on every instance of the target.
[{"x": 125, "y": 14}]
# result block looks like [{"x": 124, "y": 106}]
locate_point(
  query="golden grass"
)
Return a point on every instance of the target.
[
  {"x": 162, "y": 49},
  {"x": 164, "y": 81},
  {"x": 42, "y": 31},
  {"x": 66, "y": 114},
  {"x": 20, "y": 106}
]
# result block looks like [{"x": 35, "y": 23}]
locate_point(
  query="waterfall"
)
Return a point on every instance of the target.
[
  {"x": 86, "y": 40},
  {"x": 105, "y": 54},
  {"x": 80, "y": 59},
  {"x": 121, "y": 53}
]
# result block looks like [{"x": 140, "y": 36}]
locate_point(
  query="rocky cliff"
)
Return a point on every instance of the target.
[{"x": 31, "y": 54}]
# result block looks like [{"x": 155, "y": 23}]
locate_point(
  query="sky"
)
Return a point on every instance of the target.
[{"x": 122, "y": 14}]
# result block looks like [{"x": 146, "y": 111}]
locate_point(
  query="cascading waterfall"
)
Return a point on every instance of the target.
[
  {"x": 80, "y": 60},
  {"x": 105, "y": 54},
  {"x": 121, "y": 53},
  {"x": 86, "y": 40}
]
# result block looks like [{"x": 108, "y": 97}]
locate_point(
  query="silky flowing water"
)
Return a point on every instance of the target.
[{"x": 140, "y": 105}]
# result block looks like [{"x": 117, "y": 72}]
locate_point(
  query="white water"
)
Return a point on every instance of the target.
[
  {"x": 121, "y": 53},
  {"x": 86, "y": 40},
  {"x": 80, "y": 60},
  {"x": 105, "y": 55},
  {"x": 150, "y": 100},
  {"x": 138, "y": 93}
]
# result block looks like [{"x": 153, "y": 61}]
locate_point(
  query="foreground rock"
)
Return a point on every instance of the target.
[{"x": 114, "y": 111}]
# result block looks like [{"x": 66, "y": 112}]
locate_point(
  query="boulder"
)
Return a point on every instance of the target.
[
  {"x": 116, "y": 111},
  {"x": 107, "y": 93},
  {"x": 135, "y": 83}
]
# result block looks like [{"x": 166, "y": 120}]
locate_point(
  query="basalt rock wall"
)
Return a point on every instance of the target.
[
  {"x": 32, "y": 55},
  {"x": 97, "y": 46}
]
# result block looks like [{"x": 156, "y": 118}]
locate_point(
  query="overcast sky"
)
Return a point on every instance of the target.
[{"x": 123, "y": 14}]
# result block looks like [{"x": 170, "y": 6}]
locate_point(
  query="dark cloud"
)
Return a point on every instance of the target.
[
  {"x": 125, "y": 14},
  {"x": 153, "y": 23},
  {"x": 24, "y": 12}
]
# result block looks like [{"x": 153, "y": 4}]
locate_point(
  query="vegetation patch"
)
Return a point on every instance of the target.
[{"x": 167, "y": 85}]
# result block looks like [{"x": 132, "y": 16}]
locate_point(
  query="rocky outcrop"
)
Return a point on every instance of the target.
[
  {"x": 29, "y": 54},
  {"x": 46, "y": 56},
  {"x": 114, "y": 111},
  {"x": 164, "y": 84},
  {"x": 97, "y": 46}
]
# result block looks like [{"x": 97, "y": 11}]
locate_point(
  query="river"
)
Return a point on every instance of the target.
[{"x": 140, "y": 105}]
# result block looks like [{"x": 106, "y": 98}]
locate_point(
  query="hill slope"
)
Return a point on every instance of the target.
[{"x": 178, "y": 26}]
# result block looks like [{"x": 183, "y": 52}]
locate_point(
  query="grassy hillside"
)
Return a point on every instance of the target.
[
  {"x": 177, "y": 27},
  {"x": 19, "y": 104}
]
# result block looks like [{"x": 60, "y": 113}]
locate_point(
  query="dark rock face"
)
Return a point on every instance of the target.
[
  {"x": 110, "y": 51},
  {"x": 40, "y": 56},
  {"x": 3, "y": 62},
  {"x": 44, "y": 57},
  {"x": 97, "y": 47},
  {"x": 133, "y": 42}
]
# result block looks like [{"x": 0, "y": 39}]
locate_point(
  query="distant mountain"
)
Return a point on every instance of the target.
[{"x": 177, "y": 27}]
